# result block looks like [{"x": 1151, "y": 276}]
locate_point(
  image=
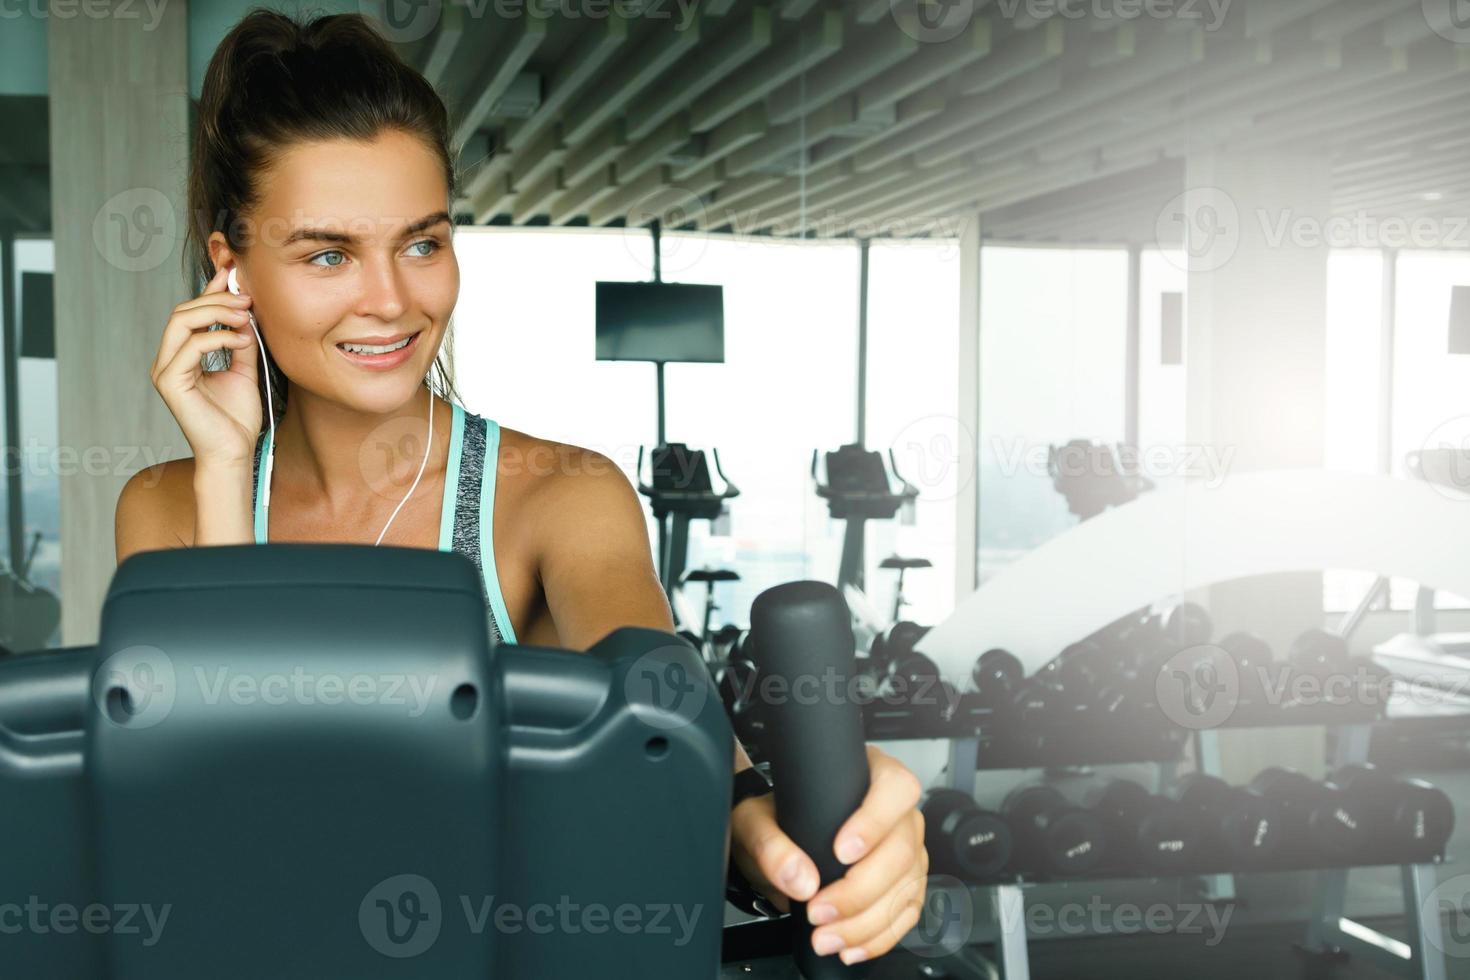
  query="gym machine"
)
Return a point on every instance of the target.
[
  {"x": 665, "y": 323},
  {"x": 857, "y": 490},
  {"x": 316, "y": 748},
  {"x": 680, "y": 490}
]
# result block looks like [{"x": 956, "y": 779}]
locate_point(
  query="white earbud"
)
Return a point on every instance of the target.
[{"x": 233, "y": 283}]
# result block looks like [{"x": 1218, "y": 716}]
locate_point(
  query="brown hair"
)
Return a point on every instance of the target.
[{"x": 275, "y": 80}]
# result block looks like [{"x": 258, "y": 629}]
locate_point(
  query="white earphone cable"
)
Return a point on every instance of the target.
[{"x": 424, "y": 462}]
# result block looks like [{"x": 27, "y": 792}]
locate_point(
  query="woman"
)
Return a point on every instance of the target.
[{"x": 322, "y": 173}]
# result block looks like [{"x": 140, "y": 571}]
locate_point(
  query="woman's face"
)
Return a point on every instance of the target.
[{"x": 350, "y": 245}]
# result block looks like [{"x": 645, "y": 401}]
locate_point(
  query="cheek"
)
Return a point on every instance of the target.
[{"x": 440, "y": 293}]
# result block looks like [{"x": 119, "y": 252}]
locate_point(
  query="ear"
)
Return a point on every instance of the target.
[{"x": 220, "y": 253}]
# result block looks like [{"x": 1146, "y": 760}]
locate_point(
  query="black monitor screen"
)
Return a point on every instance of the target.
[{"x": 660, "y": 321}]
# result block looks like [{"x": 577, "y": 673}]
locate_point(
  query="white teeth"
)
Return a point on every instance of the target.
[{"x": 375, "y": 348}]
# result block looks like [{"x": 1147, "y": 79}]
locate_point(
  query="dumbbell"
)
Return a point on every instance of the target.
[
  {"x": 912, "y": 676},
  {"x": 1128, "y": 640},
  {"x": 902, "y": 637},
  {"x": 1319, "y": 818},
  {"x": 1187, "y": 624},
  {"x": 1253, "y": 662},
  {"x": 1151, "y": 832},
  {"x": 1408, "y": 818},
  {"x": 1240, "y": 829},
  {"x": 962, "y": 839},
  {"x": 1076, "y": 672},
  {"x": 1051, "y": 834},
  {"x": 1323, "y": 657},
  {"x": 891, "y": 649},
  {"x": 996, "y": 676},
  {"x": 1054, "y": 693}
]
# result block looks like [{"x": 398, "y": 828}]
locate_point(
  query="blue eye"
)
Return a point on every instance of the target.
[
  {"x": 433, "y": 247},
  {"x": 330, "y": 265}
]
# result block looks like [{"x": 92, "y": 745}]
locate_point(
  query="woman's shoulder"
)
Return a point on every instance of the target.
[
  {"x": 560, "y": 479},
  {"x": 155, "y": 508}
]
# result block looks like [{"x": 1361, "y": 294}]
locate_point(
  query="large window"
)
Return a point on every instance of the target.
[
  {"x": 1429, "y": 378},
  {"x": 524, "y": 344},
  {"x": 788, "y": 386},
  {"x": 524, "y": 352},
  {"x": 913, "y": 398},
  {"x": 1161, "y": 353},
  {"x": 1052, "y": 357},
  {"x": 1354, "y": 392},
  {"x": 38, "y": 461}
]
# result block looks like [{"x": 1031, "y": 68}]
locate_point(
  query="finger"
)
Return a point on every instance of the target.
[
  {"x": 896, "y": 858},
  {"x": 245, "y": 359},
  {"x": 892, "y": 792},
  {"x": 879, "y": 928},
  {"x": 778, "y": 860},
  {"x": 219, "y": 280},
  {"x": 182, "y": 372},
  {"x": 186, "y": 322}
]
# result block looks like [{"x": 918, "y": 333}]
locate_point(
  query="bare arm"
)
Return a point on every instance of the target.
[
  {"x": 179, "y": 504},
  {"x": 595, "y": 562}
]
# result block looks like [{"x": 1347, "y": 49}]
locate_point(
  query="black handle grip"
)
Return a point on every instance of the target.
[{"x": 801, "y": 634}]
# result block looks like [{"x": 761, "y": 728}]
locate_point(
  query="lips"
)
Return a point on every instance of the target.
[
  {"x": 384, "y": 360},
  {"x": 375, "y": 345}
]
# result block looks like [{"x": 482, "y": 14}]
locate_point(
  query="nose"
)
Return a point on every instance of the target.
[{"x": 382, "y": 292}]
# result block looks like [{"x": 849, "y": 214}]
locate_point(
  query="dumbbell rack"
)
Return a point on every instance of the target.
[{"x": 1329, "y": 931}]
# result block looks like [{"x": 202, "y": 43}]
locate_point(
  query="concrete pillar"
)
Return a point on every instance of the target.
[
  {"x": 1256, "y": 308},
  {"x": 118, "y": 78},
  {"x": 967, "y": 501}
]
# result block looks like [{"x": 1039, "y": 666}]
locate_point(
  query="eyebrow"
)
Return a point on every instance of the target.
[{"x": 339, "y": 238}]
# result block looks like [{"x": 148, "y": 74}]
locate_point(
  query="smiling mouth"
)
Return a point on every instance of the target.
[{"x": 377, "y": 348}]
